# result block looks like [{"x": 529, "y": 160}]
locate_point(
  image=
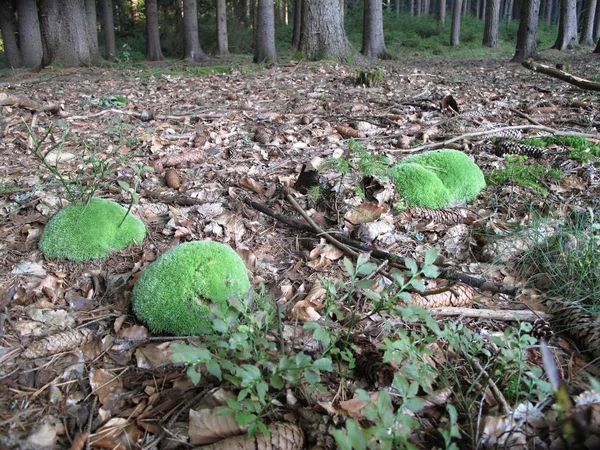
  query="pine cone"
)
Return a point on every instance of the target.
[
  {"x": 369, "y": 363},
  {"x": 506, "y": 146},
  {"x": 542, "y": 330}
]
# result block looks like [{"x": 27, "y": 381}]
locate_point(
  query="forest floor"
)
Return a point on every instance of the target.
[{"x": 246, "y": 135}]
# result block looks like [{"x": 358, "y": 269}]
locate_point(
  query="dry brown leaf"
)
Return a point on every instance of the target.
[
  {"x": 117, "y": 434},
  {"x": 282, "y": 436},
  {"x": 252, "y": 185},
  {"x": 316, "y": 295},
  {"x": 206, "y": 426},
  {"x": 363, "y": 213},
  {"x": 304, "y": 311},
  {"x": 346, "y": 131}
]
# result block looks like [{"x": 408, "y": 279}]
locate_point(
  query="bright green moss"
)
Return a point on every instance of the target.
[
  {"x": 80, "y": 232},
  {"x": 175, "y": 292},
  {"x": 437, "y": 179}
]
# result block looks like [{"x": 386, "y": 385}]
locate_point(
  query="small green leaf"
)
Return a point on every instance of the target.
[
  {"x": 323, "y": 364},
  {"x": 244, "y": 418},
  {"x": 431, "y": 255},
  {"x": 219, "y": 325},
  {"x": 431, "y": 271},
  {"x": 349, "y": 267},
  {"x": 418, "y": 284},
  {"x": 214, "y": 369},
  {"x": 414, "y": 404},
  {"x": 124, "y": 185},
  {"x": 367, "y": 269},
  {"x": 263, "y": 429},
  {"x": 312, "y": 376},
  {"x": 188, "y": 354},
  {"x": 193, "y": 374},
  {"x": 411, "y": 265}
]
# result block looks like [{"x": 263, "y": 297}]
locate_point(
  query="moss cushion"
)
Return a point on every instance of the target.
[
  {"x": 80, "y": 232},
  {"x": 175, "y": 292},
  {"x": 437, "y": 179}
]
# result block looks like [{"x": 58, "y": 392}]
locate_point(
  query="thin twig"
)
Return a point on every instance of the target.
[
  {"x": 493, "y": 387},
  {"x": 525, "y": 116}
]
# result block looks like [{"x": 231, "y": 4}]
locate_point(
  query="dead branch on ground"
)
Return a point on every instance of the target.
[{"x": 562, "y": 75}]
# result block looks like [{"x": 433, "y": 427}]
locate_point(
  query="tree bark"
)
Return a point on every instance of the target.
[
  {"x": 509, "y": 10},
  {"x": 562, "y": 75},
  {"x": 9, "y": 35},
  {"x": 66, "y": 34},
  {"x": 587, "y": 29},
  {"x": 597, "y": 49},
  {"x": 567, "y": 26},
  {"x": 90, "y": 12},
  {"x": 597, "y": 22},
  {"x": 441, "y": 15},
  {"x": 455, "y": 29},
  {"x": 373, "y": 43},
  {"x": 193, "y": 50},
  {"x": 222, "y": 39},
  {"x": 297, "y": 23},
  {"x": 527, "y": 34},
  {"x": 492, "y": 20},
  {"x": 153, "y": 50},
  {"x": 134, "y": 10},
  {"x": 323, "y": 34},
  {"x": 110, "y": 44},
  {"x": 30, "y": 35},
  {"x": 264, "y": 48}
]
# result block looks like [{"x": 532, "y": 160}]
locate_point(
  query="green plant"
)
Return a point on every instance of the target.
[
  {"x": 368, "y": 78},
  {"x": 517, "y": 171},
  {"x": 90, "y": 230},
  {"x": 175, "y": 292},
  {"x": 243, "y": 353},
  {"x": 580, "y": 149},
  {"x": 438, "y": 178}
]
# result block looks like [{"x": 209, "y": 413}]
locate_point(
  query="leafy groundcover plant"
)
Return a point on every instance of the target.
[
  {"x": 94, "y": 230},
  {"x": 176, "y": 291}
]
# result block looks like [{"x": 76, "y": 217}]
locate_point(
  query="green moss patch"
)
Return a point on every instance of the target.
[
  {"x": 437, "y": 179},
  {"x": 175, "y": 292},
  {"x": 89, "y": 231}
]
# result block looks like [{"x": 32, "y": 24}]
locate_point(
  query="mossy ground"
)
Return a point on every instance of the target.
[
  {"x": 89, "y": 231},
  {"x": 175, "y": 292}
]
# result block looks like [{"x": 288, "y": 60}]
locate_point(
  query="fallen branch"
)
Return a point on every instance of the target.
[
  {"x": 490, "y": 314},
  {"x": 20, "y": 101},
  {"x": 380, "y": 254},
  {"x": 562, "y": 75}
]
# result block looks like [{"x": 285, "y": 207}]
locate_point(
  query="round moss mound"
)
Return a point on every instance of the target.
[
  {"x": 438, "y": 178},
  {"x": 175, "y": 292},
  {"x": 90, "y": 231}
]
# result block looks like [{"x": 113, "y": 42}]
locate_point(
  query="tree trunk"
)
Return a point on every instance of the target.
[
  {"x": 66, "y": 34},
  {"x": 567, "y": 25},
  {"x": 191, "y": 40},
  {"x": 509, "y": 10},
  {"x": 441, "y": 16},
  {"x": 297, "y": 23},
  {"x": 547, "y": 11},
  {"x": 597, "y": 22},
  {"x": 110, "y": 44},
  {"x": 323, "y": 33},
  {"x": 222, "y": 40},
  {"x": 527, "y": 34},
  {"x": 134, "y": 11},
  {"x": 90, "y": 12},
  {"x": 597, "y": 49},
  {"x": 264, "y": 49},
  {"x": 153, "y": 50},
  {"x": 30, "y": 35},
  {"x": 9, "y": 35},
  {"x": 492, "y": 19},
  {"x": 373, "y": 43},
  {"x": 587, "y": 29},
  {"x": 455, "y": 29}
]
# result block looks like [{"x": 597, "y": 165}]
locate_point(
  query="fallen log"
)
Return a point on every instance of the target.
[{"x": 562, "y": 75}]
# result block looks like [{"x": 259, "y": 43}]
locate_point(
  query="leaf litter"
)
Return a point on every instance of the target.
[{"x": 76, "y": 367}]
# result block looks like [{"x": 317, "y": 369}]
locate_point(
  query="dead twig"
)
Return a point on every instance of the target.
[{"x": 490, "y": 314}]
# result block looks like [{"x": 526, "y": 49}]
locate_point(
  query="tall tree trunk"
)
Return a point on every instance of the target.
[
  {"x": 297, "y": 23},
  {"x": 323, "y": 34},
  {"x": 492, "y": 19},
  {"x": 547, "y": 11},
  {"x": 455, "y": 29},
  {"x": 264, "y": 41},
  {"x": 90, "y": 12},
  {"x": 567, "y": 25},
  {"x": 30, "y": 35},
  {"x": 597, "y": 22},
  {"x": 66, "y": 34},
  {"x": 509, "y": 10},
  {"x": 373, "y": 43},
  {"x": 527, "y": 34},
  {"x": 597, "y": 49},
  {"x": 587, "y": 29},
  {"x": 193, "y": 50},
  {"x": 222, "y": 40},
  {"x": 134, "y": 10},
  {"x": 153, "y": 50},
  {"x": 441, "y": 14},
  {"x": 110, "y": 44},
  {"x": 9, "y": 35}
]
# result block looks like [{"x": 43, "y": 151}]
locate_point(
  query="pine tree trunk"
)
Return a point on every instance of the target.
[
  {"x": 527, "y": 34},
  {"x": 373, "y": 44},
  {"x": 9, "y": 35},
  {"x": 597, "y": 22},
  {"x": 30, "y": 35},
  {"x": 297, "y": 23},
  {"x": 134, "y": 11},
  {"x": 323, "y": 34},
  {"x": 441, "y": 16},
  {"x": 66, "y": 34},
  {"x": 597, "y": 49},
  {"x": 110, "y": 44},
  {"x": 191, "y": 40},
  {"x": 492, "y": 19},
  {"x": 455, "y": 29},
  {"x": 222, "y": 39},
  {"x": 567, "y": 25},
  {"x": 90, "y": 12},
  {"x": 587, "y": 29},
  {"x": 264, "y": 50},
  {"x": 153, "y": 50}
]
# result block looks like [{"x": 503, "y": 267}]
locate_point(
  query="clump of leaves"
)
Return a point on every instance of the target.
[
  {"x": 518, "y": 171},
  {"x": 580, "y": 149},
  {"x": 368, "y": 78},
  {"x": 568, "y": 263}
]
